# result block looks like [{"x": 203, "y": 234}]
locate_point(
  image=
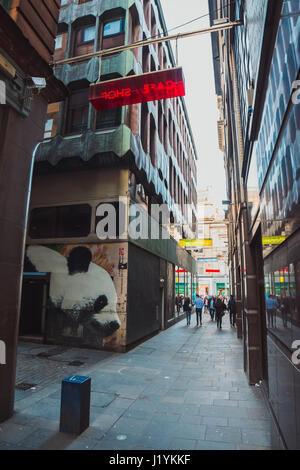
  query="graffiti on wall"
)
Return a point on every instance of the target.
[{"x": 83, "y": 297}]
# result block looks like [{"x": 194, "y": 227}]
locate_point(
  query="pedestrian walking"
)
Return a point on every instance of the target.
[
  {"x": 178, "y": 303},
  {"x": 187, "y": 308},
  {"x": 220, "y": 308},
  {"x": 212, "y": 308},
  {"x": 271, "y": 304},
  {"x": 232, "y": 310},
  {"x": 206, "y": 304},
  {"x": 199, "y": 307}
]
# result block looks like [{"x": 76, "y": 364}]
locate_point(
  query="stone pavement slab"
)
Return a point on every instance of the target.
[{"x": 183, "y": 389}]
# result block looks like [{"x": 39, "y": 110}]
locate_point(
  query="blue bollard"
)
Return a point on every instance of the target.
[{"x": 75, "y": 404}]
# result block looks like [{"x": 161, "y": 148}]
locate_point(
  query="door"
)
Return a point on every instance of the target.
[{"x": 33, "y": 307}]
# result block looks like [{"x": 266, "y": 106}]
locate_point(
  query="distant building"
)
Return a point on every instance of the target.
[
  {"x": 26, "y": 46},
  {"x": 257, "y": 83},
  {"x": 108, "y": 293},
  {"x": 212, "y": 263}
]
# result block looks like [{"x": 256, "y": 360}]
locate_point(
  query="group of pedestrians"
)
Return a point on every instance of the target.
[{"x": 215, "y": 306}]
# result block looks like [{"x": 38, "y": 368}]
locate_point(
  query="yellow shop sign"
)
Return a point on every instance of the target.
[{"x": 196, "y": 243}]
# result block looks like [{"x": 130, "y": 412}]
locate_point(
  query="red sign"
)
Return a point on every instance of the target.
[
  {"x": 212, "y": 271},
  {"x": 151, "y": 86}
]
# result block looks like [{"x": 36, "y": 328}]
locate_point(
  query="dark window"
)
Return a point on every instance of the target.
[
  {"x": 146, "y": 56},
  {"x": 152, "y": 67},
  {"x": 78, "y": 110},
  {"x": 144, "y": 127},
  {"x": 60, "y": 221},
  {"x": 152, "y": 141},
  {"x": 108, "y": 118}
]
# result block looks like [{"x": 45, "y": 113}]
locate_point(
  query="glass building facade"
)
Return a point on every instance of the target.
[{"x": 257, "y": 79}]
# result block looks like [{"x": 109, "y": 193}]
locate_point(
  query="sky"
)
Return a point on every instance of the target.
[{"x": 195, "y": 57}]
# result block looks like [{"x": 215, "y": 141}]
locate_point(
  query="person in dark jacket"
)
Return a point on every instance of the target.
[
  {"x": 187, "y": 308},
  {"x": 178, "y": 303},
  {"x": 219, "y": 307},
  {"x": 232, "y": 310}
]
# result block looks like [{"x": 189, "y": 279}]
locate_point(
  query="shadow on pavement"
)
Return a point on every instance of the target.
[{"x": 59, "y": 441}]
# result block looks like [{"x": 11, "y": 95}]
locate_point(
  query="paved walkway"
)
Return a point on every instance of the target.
[{"x": 184, "y": 389}]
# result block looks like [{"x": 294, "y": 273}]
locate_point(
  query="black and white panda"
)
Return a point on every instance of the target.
[{"x": 83, "y": 291}]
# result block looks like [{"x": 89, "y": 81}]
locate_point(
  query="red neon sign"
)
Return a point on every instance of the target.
[
  {"x": 151, "y": 86},
  {"x": 212, "y": 271}
]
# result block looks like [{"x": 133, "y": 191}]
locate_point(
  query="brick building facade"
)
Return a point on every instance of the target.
[{"x": 140, "y": 154}]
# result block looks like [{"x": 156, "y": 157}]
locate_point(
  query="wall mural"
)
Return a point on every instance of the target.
[{"x": 86, "y": 294}]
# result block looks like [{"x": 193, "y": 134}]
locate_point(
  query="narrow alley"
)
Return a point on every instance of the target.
[{"x": 183, "y": 389}]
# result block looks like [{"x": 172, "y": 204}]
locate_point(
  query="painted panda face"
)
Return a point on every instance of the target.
[{"x": 83, "y": 291}]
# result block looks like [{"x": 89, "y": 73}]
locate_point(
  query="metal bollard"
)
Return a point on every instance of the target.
[{"x": 75, "y": 404}]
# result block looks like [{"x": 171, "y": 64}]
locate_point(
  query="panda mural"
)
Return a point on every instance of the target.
[{"x": 82, "y": 296}]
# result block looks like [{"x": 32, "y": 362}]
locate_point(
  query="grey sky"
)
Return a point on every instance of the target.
[{"x": 195, "y": 56}]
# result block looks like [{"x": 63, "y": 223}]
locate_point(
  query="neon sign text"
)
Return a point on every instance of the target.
[{"x": 138, "y": 89}]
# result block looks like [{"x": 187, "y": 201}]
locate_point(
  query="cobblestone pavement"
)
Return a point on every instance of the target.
[{"x": 184, "y": 389}]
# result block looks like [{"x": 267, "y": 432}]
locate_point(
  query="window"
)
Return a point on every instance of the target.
[
  {"x": 152, "y": 141},
  {"x": 144, "y": 127},
  {"x": 64, "y": 2},
  {"x": 108, "y": 118},
  {"x": 48, "y": 129},
  {"x": 165, "y": 135},
  {"x": 60, "y": 221},
  {"x": 59, "y": 42},
  {"x": 114, "y": 27},
  {"x": 78, "y": 110},
  {"x": 88, "y": 34},
  {"x": 152, "y": 67},
  {"x": 145, "y": 59},
  {"x": 84, "y": 40},
  {"x": 51, "y": 121},
  {"x": 147, "y": 10},
  {"x": 170, "y": 176},
  {"x": 113, "y": 34},
  {"x": 160, "y": 123}
]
